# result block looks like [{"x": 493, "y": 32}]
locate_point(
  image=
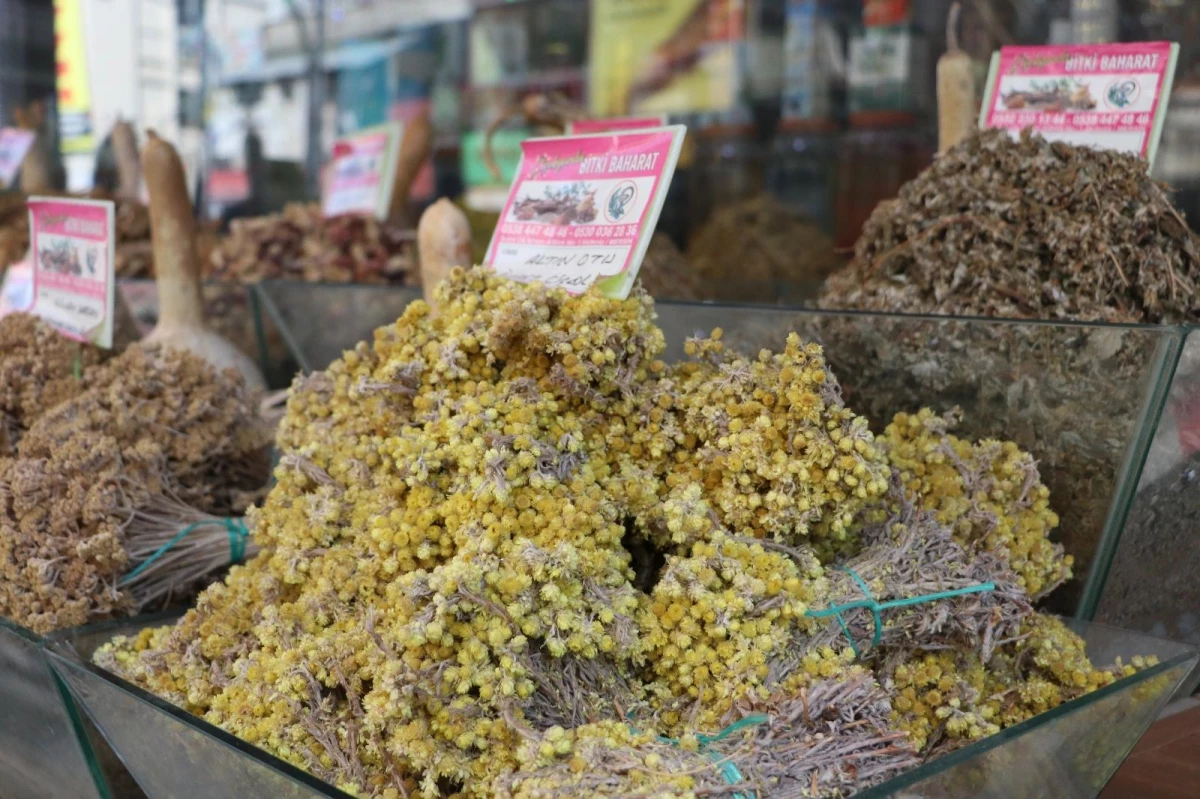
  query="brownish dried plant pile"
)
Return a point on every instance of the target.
[
  {"x": 140, "y": 430},
  {"x": 760, "y": 242},
  {"x": 1029, "y": 229},
  {"x": 299, "y": 243}
]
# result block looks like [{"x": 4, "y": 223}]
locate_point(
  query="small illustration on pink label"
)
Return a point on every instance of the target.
[
  {"x": 362, "y": 172},
  {"x": 582, "y": 209},
  {"x": 582, "y": 126},
  {"x": 72, "y": 249},
  {"x": 1108, "y": 96},
  {"x": 14, "y": 144}
]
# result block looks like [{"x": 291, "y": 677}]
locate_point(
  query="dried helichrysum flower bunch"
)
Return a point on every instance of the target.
[
  {"x": 776, "y": 449},
  {"x": 946, "y": 698},
  {"x": 39, "y": 368},
  {"x": 1026, "y": 228},
  {"x": 146, "y": 423},
  {"x": 989, "y": 493},
  {"x": 509, "y": 547}
]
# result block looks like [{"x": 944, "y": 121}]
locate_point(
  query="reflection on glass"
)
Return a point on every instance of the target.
[
  {"x": 40, "y": 753},
  {"x": 1153, "y": 586}
]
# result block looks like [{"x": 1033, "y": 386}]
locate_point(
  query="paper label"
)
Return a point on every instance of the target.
[
  {"x": 362, "y": 172},
  {"x": 16, "y": 292},
  {"x": 1108, "y": 96},
  {"x": 14, "y": 143},
  {"x": 583, "y": 209},
  {"x": 583, "y": 126},
  {"x": 72, "y": 244}
]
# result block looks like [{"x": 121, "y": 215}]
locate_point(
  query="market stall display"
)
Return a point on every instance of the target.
[{"x": 561, "y": 547}]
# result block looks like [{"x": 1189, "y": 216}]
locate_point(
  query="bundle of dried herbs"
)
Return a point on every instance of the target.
[
  {"x": 299, "y": 243},
  {"x": 509, "y": 547},
  {"x": 96, "y": 476},
  {"x": 39, "y": 368},
  {"x": 760, "y": 244},
  {"x": 1026, "y": 228}
]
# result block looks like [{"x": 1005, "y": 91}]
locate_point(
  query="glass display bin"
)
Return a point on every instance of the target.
[
  {"x": 1153, "y": 586},
  {"x": 1082, "y": 398},
  {"x": 43, "y": 747},
  {"x": 1070, "y": 751}
]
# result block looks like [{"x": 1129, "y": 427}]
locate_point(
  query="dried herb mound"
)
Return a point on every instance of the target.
[
  {"x": 299, "y": 243},
  {"x": 145, "y": 425},
  {"x": 761, "y": 241},
  {"x": 509, "y": 547},
  {"x": 1030, "y": 229}
]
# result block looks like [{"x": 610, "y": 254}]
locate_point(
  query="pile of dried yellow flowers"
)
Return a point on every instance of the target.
[
  {"x": 94, "y": 444},
  {"x": 511, "y": 552}
]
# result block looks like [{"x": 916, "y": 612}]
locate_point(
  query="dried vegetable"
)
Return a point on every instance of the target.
[
  {"x": 109, "y": 452},
  {"x": 1028, "y": 229},
  {"x": 299, "y": 243},
  {"x": 775, "y": 248},
  {"x": 511, "y": 552}
]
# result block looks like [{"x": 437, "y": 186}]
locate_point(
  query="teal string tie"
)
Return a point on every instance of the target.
[
  {"x": 728, "y": 768},
  {"x": 234, "y": 526},
  {"x": 870, "y": 603}
]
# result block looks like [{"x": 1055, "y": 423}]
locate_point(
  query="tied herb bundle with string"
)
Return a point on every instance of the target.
[
  {"x": 171, "y": 558},
  {"x": 140, "y": 446}
]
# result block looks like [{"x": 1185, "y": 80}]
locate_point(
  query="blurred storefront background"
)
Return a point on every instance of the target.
[{"x": 824, "y": 105}]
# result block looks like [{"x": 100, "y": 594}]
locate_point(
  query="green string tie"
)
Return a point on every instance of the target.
[
  {"x": 877, "y": 608},
  {"x": 729, "y": 770},
  {"x": 77, "y": 364},
  {"x": 235, "y": 526}
]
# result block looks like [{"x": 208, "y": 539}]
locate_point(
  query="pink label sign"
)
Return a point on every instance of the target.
[
  {"x": 618, "y": 123},
  {"x": 1109, "y": 96},
  {"x": 583, "y": 208},
  {"x": 361, "y": 173},
  {"x": 72, "y": 248},
  {"x": 14, "y": 144}
]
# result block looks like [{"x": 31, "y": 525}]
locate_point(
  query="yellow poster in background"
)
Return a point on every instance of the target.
[
  {"x": 665, "y": 56},
  {"x": 74, "y": 96}
]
